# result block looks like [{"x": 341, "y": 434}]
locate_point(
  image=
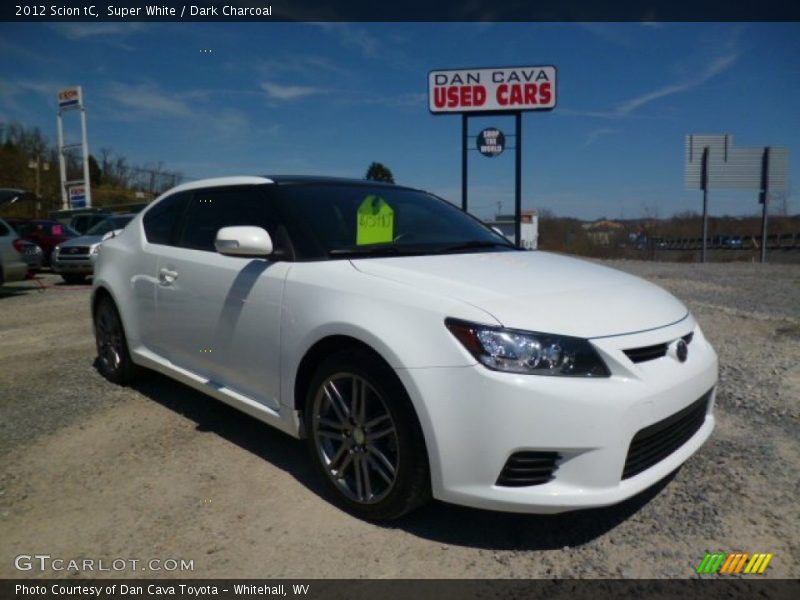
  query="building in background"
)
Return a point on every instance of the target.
[
  {"x": 529, "y": 228},
  {"x": 603, "y": 231}
]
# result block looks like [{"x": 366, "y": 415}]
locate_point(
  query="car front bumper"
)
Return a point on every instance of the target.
[
  {"x": 78, "y": 265},
  {"x": 474, "y": 419}
]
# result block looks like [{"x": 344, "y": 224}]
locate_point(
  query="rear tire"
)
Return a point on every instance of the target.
[
  {"x": 74, "y": 279},
  {"x": 113, "y": 359},
  {"x": 364, "y": 437}
]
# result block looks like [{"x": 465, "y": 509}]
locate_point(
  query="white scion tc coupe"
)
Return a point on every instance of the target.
[{"x": 417, "y": 351}]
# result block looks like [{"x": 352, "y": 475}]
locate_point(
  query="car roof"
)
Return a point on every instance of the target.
[
  {"x": 299, "y": 179},
  {"x": 278, "y": 180}
]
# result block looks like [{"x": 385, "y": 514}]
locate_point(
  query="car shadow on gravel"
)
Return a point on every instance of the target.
[
  {"x": 211, "y": 415},
  {"x": 437, "y": 521},
  {"x": 9, "y": 292}
]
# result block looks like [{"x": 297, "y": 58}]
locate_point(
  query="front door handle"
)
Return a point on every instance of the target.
[{"x": 167, "y": 276}]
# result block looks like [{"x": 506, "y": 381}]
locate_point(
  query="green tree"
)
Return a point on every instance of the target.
[{"x": 379, "y": 172}]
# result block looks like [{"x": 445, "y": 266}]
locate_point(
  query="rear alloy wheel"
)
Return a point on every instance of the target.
[
  {"x": 113, "y": 359},
  {"x": 365, "y": 438}
]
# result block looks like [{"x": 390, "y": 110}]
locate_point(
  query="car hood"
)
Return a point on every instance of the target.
[
  {"x": 537, "y": 291},
  {"x": 84, "y": 240}
]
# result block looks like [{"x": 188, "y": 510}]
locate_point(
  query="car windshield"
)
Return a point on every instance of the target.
[
  {"x": 346, "y": 221},
  {"x": 109, "y": 224},
  {"x": 59, "y": 229}
]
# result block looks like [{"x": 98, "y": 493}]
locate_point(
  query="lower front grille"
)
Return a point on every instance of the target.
[
  {"x": 528, "y": 468},
  {"x": 656, "y": 442}
]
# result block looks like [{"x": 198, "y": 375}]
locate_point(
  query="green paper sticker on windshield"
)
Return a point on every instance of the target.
[{"x": 375, "y": 222}]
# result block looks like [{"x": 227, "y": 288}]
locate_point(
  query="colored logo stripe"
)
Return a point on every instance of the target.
[
  {"x": 758, "y": 563},
  {"x": 728, "y": 564},
  {"x": 734, "y": 563},
  {"x": 711, "y": 562}
]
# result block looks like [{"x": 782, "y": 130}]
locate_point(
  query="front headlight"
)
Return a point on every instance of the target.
[
  {"x": 57, "y": 249},
  {"x": 528, "y": 352},
  {"x": 95, "y": 250}
]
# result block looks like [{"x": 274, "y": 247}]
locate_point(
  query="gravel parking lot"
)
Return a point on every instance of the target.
[{"x": 91, "y": 470}]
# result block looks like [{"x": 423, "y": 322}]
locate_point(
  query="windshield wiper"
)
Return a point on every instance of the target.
[
  {"x": 384, "y": 250},
  {"x": 476, "y": 244}
]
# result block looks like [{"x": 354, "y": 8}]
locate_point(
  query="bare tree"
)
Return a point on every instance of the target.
[{"x": 779, "y": 202}]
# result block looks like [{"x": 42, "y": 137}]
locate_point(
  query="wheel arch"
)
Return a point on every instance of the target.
[
  {"x": 98, "y": 294},
  {"x": 330, "y": 344},
  {"x": 317, "y": 353},
  {"x": 103, "y": 291}
]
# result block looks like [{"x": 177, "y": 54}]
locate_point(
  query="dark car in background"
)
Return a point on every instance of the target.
[
  {"x": 45, "y": 233},
  {"x": 85, "y": 221}
]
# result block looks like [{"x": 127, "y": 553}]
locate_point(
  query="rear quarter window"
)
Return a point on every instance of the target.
[{"x": 161, "y": 220}]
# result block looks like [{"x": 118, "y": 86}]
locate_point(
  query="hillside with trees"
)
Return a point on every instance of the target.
[{"x": 114, "y": 179}]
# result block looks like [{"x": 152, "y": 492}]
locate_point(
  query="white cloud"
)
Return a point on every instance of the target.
[
  {"x": 83, "y": 30},
  {"x": 351, "y": 36},
  {"x": 716, "y": 67},
  {"x": 300, "y": 65},
  {"x": 630, "y": 106},
  {"x": 597, "y": 134},
  {"x": 288, "y": 92},
  {"x": 608, "y": 32},
  {"x": 149, "y": 99}
]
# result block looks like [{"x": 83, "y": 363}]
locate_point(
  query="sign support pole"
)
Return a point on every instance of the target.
[
  {"x": 764, "y": 200},
  {"x": 704, "y": 177},
  {"x": 518, "y": 180},
  {"x": 62, "y": 163},
  {"x": 464, "y": 119},
  {"x": 86, "y": 182}
]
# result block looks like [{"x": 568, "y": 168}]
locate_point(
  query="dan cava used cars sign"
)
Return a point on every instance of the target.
[{"x": 492, "y": 90}]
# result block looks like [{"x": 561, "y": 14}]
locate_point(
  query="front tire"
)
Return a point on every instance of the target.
[
  {"x": 113, "y": 359},
  {"x": 364, "y": 437}
]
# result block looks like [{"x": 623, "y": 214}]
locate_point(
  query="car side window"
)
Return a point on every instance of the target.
[
  {"x": 211, "y": 209},
  {"x": 4, "y": 231},
  {"x": 161, "y": 220}
]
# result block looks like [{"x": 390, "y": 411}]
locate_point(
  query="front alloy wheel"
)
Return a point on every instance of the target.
[
  {"x": 356, "y": 438},
  {"x": 365, "y": 438}
]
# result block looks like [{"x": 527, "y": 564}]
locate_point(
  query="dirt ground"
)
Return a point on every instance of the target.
[{"x": 159, "y": 471}]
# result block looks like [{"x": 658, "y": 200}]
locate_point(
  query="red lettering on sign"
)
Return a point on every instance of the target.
[
  {"x": 519, "y": 94},
  {"x": 502, "y": 94},
  {"x": 544, "y": 92},
  {"x": 516, "y": 94},
  {"x": 456, "y": 96},
  {"x": 479, "y": 95},
  {"x": 530, "y": 93}
]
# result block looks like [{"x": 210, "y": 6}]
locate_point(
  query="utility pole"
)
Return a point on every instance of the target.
[{"x": 39, "y": 165}]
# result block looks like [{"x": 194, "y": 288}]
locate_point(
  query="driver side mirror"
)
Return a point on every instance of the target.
[{"x": 243, "y": 240}]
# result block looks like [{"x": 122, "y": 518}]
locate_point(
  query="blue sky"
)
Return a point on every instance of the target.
[{"x": 330, "y": 98}]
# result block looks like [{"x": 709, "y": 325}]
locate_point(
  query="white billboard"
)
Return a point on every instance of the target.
[{"x": 504, "y": 89}]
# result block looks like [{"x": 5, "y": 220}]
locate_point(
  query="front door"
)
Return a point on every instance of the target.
[{"x": 219, "y": 316}]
